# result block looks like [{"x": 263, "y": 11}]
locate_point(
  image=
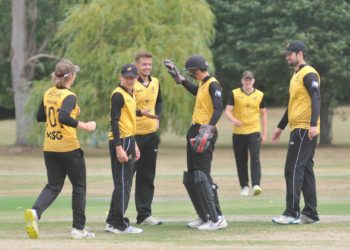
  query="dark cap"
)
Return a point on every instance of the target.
[
  {"x": 196, "y": 62},
  {"x": 129, "y": 70},
  {"x": 247, "y": 74},
  {"x": 295, "y": 46},
  {"x": 64, "y": 67}
]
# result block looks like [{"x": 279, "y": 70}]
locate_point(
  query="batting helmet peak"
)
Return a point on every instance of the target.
[{"x": 196, "y": 62}]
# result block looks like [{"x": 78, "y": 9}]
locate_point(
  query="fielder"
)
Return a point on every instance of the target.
[
  {"x": 62, "y": 153},
  {"x": 201, "y": 138},
  {"x": 303, "y": 116},
  {"x": 246, "y": 109},
  {"x": 148, "y": 97},
  {"x": 123, "y": 149}
]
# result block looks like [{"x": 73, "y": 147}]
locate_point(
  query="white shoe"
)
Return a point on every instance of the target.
[
  {"x": 32, "y": 224},
  {"x": 211, "y": 226},
  {"x": 110, "y": 229},
  {"x": 245, "y": 191},
  {"x": 132, "y": 230},
  {"x": 205, "y": 226},
  {"x": 195, "y": 224},
  {"x": 304, "y": 219},
  {"x": 81, "y": 234},
  {"x": 286, "y": 220},
  {"x": 150, "y": 220},
  {"x": 257, "y": 189}
]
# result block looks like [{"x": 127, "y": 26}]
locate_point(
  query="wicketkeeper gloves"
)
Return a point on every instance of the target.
[
  {"x": 173, "y": 71},
  {"x": 202, "y": 141}
]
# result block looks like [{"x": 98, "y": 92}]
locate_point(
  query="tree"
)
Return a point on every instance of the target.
[
  {"x": 251, "y": 34},
  {"x": 103, "y": 35}
]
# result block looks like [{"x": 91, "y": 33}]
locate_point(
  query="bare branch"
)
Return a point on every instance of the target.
[{"x": 41, "y": 55}]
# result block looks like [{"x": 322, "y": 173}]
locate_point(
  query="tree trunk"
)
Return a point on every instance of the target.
[
  {"x": 326, "y": 117},
  {"x": 20, "y": 83}
]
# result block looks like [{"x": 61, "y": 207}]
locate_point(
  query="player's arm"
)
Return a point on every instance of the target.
[
  {"x": 64, "y": 117},
  {"x": 117, "y": 103},
  {"x": 311, "y": 83},
  {"x": 263, "y": 113},
  {"x": 215, "y": 92},
  {"x": 190, "y": 87},
  {"x": 228, "y": 111},
  {"x": 280, "y": 127},
  {"x": 159, "y": 106},
  {"x": 41, "y": 115}
]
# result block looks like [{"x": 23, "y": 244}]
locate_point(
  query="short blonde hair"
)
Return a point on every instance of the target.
[{"x": 142, "y": 54}]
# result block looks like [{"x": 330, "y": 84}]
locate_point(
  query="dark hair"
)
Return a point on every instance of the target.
[{"x": 142, "y": 54}]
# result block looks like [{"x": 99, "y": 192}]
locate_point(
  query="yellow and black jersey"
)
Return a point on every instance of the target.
[
  {"x": 147, "y": 98},
  {"x": 123, "y": 115},
  {"x": 208, "y": 106},
  {"x": 246, "y": 108},
  {"x": 59, "y": 110},
  {"x": 299, "y": 107}
]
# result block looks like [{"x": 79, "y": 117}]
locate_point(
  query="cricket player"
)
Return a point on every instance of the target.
[
  {"x": 62, "y": 153},
  {"x": 123, "y": 149},
  {"x": 246, "y": 110},
  {"x": 201, "y": 138},
  {"x": 302, "y": 115},
  {"x": 148, "y": 97}
]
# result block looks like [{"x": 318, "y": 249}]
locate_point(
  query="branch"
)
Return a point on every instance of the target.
[{"x": 38, "y": 56}]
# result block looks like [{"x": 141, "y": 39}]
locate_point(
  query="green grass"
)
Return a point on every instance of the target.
[{"x": 22, "y": 176}]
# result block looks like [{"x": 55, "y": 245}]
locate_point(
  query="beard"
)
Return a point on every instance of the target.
[{"x": 293, "y": 63}]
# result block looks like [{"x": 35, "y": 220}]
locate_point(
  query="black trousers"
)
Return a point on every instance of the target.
[
  {"x": 145, "y": 171},
  {"x": 201, "y": 161},
  {"x": 299, "y": 175},
  {"x": 58, "y": 166},
  {"x": 242, "y": 144},
  {"x": 122, "y": 178}
]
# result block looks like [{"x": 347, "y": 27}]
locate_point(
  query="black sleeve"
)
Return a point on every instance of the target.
[
  {"x": 117, "y": 102},
  {"x": 284, "y": 121},
  {"x": 311, "y": 83},
  {"x": 41, "y": 115},
  {"x": 263, "y": 103},
  {"x": 231, "y": 100},
  {"x": 193, "y": 89},
  {"x": 215, "y": 92},
  {"x": 159, "y": 104},
  {"x": 64, "y": 117}
]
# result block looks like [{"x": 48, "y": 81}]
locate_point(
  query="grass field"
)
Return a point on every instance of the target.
[{"x": 22, "y": 176}]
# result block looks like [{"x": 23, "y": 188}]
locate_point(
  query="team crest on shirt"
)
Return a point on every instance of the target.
[
  {"x": 218, "y": 93},
  {"x": 314, "y": 84}
]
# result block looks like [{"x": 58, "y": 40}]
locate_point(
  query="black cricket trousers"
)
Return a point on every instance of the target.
[
  {"x": 242, "y": 144},
  {"x": 299, "y": 175},
  {"x": 145, "y": 171},
  {"x": 122, "y": 174},
  {"x": 58, "y": 166},
  {"x": 202, "y": 161}
]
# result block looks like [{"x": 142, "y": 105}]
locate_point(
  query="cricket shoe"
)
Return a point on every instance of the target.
[
  {"x": 286, "y": 220},
  {"x": 307, "y": 220},
  {"x": 245, "y": 191},
  {"x": 195, "y": 224},
  {"x": 257, "y": 190},
  {"x": 211, "y": 226},
  {"x": 150, "y": 220},
  {"x": 81, "y": 234},
  {"x": 32, "y": 224},
  {"x": 129, "y": 230}
]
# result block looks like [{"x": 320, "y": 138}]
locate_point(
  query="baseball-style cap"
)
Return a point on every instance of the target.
[
  {"x": 64, "y": 67},
  {"x": 247, "y": 74},
  {"x": 129, "y": 70},
  {"x": 295, "y": 46}
]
